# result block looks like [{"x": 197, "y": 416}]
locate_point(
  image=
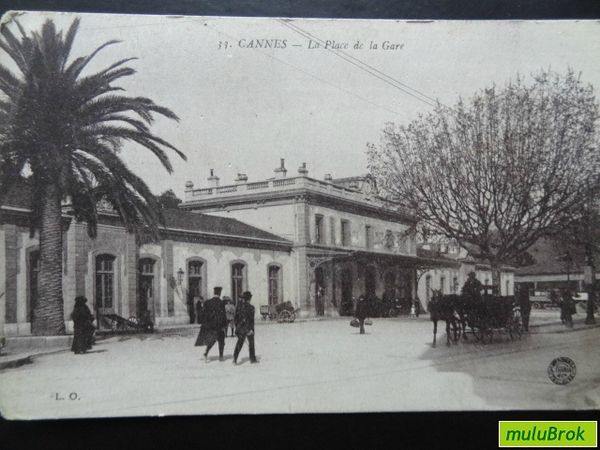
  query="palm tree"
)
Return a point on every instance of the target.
[{"x": 65, "y": 131}]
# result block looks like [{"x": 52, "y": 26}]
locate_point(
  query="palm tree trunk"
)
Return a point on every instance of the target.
[{"x": 48, "y": 315}]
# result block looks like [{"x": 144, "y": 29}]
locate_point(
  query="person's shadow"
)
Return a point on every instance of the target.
[
  {"x": 246, "y": 359},
  {"x": 216, "y": 358},
  {"x": 88, "y": 352}
]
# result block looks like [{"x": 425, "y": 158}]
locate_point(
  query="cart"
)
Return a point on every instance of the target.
[
  {"x": 118, "y": 324},
  {"x": 282, "y": 312}
]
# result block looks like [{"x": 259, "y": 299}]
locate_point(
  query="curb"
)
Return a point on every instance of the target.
[{"x": 19, "y": 360}]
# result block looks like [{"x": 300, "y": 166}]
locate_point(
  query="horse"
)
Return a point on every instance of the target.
[{"x": 447, "y": 308}]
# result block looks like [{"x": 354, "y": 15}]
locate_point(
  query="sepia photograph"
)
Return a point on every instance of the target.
[{"x": 206, "y": 215}]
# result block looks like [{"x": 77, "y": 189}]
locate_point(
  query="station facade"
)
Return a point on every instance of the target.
[{"x": 347, "y": 241}]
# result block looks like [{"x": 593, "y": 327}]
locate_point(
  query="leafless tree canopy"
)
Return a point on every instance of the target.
[{"x": 500, "y": 170}]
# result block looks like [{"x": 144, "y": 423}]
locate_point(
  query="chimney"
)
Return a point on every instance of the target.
[
  {"x": 281, "y": 171},
  {"x": 213, "y": 180},
  {"x": 328, "y": 177},
  {"x": 302, "y": 170},
  {"x": 241, "y": 178}
]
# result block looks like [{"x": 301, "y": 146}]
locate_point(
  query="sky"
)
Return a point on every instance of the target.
[{"x": 243, "y": 108}]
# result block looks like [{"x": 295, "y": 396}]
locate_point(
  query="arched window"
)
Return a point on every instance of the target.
[
  {"x": 238, "y": 280},
  {"x": 105, "y": 283},
  {"x": 275, "y": 291}
]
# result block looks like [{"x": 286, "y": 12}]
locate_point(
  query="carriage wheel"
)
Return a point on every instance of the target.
[
  {"x": 284, "y": 316},
  {"x": 455, "y": 331}
]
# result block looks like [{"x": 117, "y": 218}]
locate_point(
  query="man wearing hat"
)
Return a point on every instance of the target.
[
  {"x": 214, "y": 323},
  {"x": 244, "y": 327}
]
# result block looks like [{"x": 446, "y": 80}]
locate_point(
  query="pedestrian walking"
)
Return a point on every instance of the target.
[
  {"x": 230, "y": 313},
  {"x": 244, "y": 327},
  {"x": 567, "y": 308},
  {"x": 361, "y": 312},
  {"x": 83, "y": 328},
  {"x": 213, "y": 326}
]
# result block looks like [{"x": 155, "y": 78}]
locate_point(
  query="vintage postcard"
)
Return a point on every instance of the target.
[{"x": 209, "y": 215}]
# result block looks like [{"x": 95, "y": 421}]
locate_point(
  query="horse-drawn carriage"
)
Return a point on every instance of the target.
[
  {"x": 282, "y": 312},
  {"x": 481, "y": 316}
]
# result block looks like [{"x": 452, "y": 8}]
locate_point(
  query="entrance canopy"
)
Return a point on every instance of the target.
[{"x": 404, "y": 261}]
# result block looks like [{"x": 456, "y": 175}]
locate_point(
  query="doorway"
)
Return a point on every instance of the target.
[
  {"x": 347, "y": 306},
  {"x": 145, "y": 306},
  {"x": 320, "y": 291},
  {"x": 370, "y": 282}
]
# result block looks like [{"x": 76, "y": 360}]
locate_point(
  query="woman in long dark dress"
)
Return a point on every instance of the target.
[{"x": 82, "y": 323}]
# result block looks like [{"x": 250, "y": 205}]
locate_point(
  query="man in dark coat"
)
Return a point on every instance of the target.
[
  {"x": 524, "y": 304},
  {"x": 244, "y": 327},
  {"x": 214, "y": 322},
  {"x": 361, "y": 312}
]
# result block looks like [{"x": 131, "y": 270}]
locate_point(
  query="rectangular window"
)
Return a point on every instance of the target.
[
  {"x": 345, "y": 233},
  {"x": 442, "y": 284},
  {"x": 368, "y": 236},
  {"x": 318, "y": 229}
]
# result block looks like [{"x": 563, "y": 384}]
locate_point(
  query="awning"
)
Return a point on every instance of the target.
[{"x": 405, "y": 261}]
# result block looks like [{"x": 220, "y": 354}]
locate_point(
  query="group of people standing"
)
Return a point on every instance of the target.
[{"x": 216, "y": 316}]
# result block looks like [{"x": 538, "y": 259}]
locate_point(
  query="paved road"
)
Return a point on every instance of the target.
[{"x": 306, "y": 367}]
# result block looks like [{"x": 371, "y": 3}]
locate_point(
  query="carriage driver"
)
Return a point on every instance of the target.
[{"x": 472, "y": 287}]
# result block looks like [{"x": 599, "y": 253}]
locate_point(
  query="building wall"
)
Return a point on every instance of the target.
[
  {"x": 79, "y": 273},
  {"x": 218, "y": 261},
  {"x": 401, "y": 242}
]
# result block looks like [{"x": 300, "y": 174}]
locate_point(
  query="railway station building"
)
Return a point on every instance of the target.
[{"x": 317, "y": 243}]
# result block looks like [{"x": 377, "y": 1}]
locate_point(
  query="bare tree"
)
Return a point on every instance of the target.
[{"x": 499, "y": 171}]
